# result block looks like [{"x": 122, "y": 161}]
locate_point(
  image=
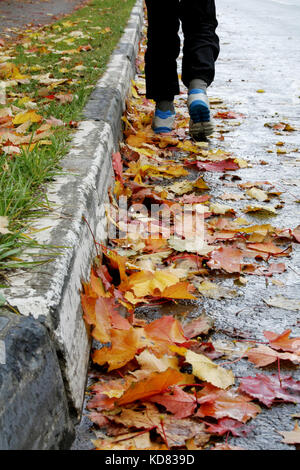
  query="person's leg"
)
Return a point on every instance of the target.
[
  {"x": 163, "y": 48},
  {"x": 201, "y": 49},
  {"x": 201, "y": 43}
]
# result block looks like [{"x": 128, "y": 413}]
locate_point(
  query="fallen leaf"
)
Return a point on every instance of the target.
[
  {"x": 228, "y": 425},
  {"x": 268, "y": 388},
  {"x": 291, "y": 437},
  {"x": 283, "y": 302},
  {"x": 222, "y": 404},
  {"x": 178, "y": 402},
  {"x": 198, "y": 326},
  {"x": 207, "y": 370},
  {"x": 283, "y": 341},
  {"x": 156, "y": 383},
  {"x": 263, "y": 355},
  {"x": 226, "y": 258},
  {"x": 3, "y": 225},
  {"x": 124, "y": 345}
]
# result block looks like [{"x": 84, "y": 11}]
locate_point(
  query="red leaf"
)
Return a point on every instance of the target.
[
  {"x": 180, "y": 403},
  {"x": 192, "y": 199},
  {"x": 197, "y": 327},
  {"x": 262, "y": 356},
  {"x": 219, "y": 403},
  {"x": 226, "y": 425},
  {"x": 223, "y": 165},
  {"x": 118, "y": 166},
  {"x": 226, "y": 258},
  {"x": 228, "y": 115},
  {"x": 283, "y": 341},
  {"x": 166, "y": 329},
  {"x": 267, "y": 388},
  {"x": 104, "y": 275},
  {"x": 296, "y": 234},
  {"x": 269, "y": 248}
]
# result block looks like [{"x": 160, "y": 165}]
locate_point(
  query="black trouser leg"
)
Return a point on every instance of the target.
[
  {"x": 201, "y": 43},
  {"x": 162, "y": 49},
  {"x": 200, "y": 51}
]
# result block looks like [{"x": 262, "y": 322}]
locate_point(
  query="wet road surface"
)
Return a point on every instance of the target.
[
  {"x": 260, "y": 44},
  {"x": 16, "y": 14}
]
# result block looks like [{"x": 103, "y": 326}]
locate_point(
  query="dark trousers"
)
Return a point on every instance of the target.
[{"x": 200, "y": 48}]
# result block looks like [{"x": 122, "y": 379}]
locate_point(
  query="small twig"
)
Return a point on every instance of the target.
[
  {"x": 95, "y": 243},
  {"x": 279, "y": 377},
  {"x": 164, "y": 433}
]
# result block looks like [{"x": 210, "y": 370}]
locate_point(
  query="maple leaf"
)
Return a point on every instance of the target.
[
  {"x": 225, "y": 446},
  {"x": 101, "y": 402},
  {"x": 105, "y": 394},
  {"x": 267, "y": 389},
  {"x": 273, "y": 268},
  {"x": 214, "y": 291},
  {"x": 105, "y": 277},
  {"x": 178, "y": 402},
  {"x": 228, "y": 115},
  {"x": 97, "y": 317},
  {"x": 224, "y": 165},
  {"x": 150, "y": 363},
  {"x": 263, "y": 355},
  {"x": 257, "y": 194},
  {"x": 27, "y": 116},
  {"x": 226, "y": 425},
  {"x": 173, "y": 431},
  {"x": 205, "y": 369},
  {"x": 166, "y": 329},
  {"x": 266, "y": 248},
  {"x": 128, "y": 441},
  {"x": 296, "y": 233},
  {"x": 9, "y": 70},
  {"x": 226, "y": 258},
  {"x": 291, "y": 437},
  {"x": 97, "y": 285},
  {"x": 199, "y": 326},
  {"x": 283, "y": 341},
  {"x": 156, "y": 383},
  {"x": 180, "y": 290},
  {"x": 192, "y": 199},
  {"x": 118, "y": 166},
  {"x": 124, "y": 345},
  {"x": 219, "y": 403},
  {"x": 283, "y": 302}
]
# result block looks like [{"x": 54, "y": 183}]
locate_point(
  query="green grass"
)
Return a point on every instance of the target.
[{"x": 23, "y": 177}]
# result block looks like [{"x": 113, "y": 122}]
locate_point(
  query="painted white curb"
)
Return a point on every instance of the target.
[{"x": 51, "y": 292}]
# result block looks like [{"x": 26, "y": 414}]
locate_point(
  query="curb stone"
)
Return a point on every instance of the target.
[
  {"x": 31, "y": 388},
  {"x": 49, "y": 294}
]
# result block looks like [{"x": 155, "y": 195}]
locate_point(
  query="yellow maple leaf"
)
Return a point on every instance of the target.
[{"x": 27, "y": 116}]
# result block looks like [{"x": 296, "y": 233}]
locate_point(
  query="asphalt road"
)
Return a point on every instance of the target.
[
  {"x": 16, "y": 14},
  {"x": 260, "y": 50}
]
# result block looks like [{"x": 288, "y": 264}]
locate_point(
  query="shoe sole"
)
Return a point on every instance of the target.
[
  {"x": 199, "y": 111},
  {"x": 162, "y": 130},
  {"x": 200, "y": 130}
]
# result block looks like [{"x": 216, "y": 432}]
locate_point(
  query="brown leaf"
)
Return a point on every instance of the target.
[{"x": 291, "y": 437}]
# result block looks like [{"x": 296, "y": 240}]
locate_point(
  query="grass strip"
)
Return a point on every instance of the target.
[{"x": 46, "y": 77}]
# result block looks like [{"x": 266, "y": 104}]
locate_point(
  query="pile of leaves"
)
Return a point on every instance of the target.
[{"x": 161, "y": 384}]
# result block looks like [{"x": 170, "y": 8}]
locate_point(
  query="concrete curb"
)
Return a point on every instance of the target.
[{"x": 50, "y": 293}]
